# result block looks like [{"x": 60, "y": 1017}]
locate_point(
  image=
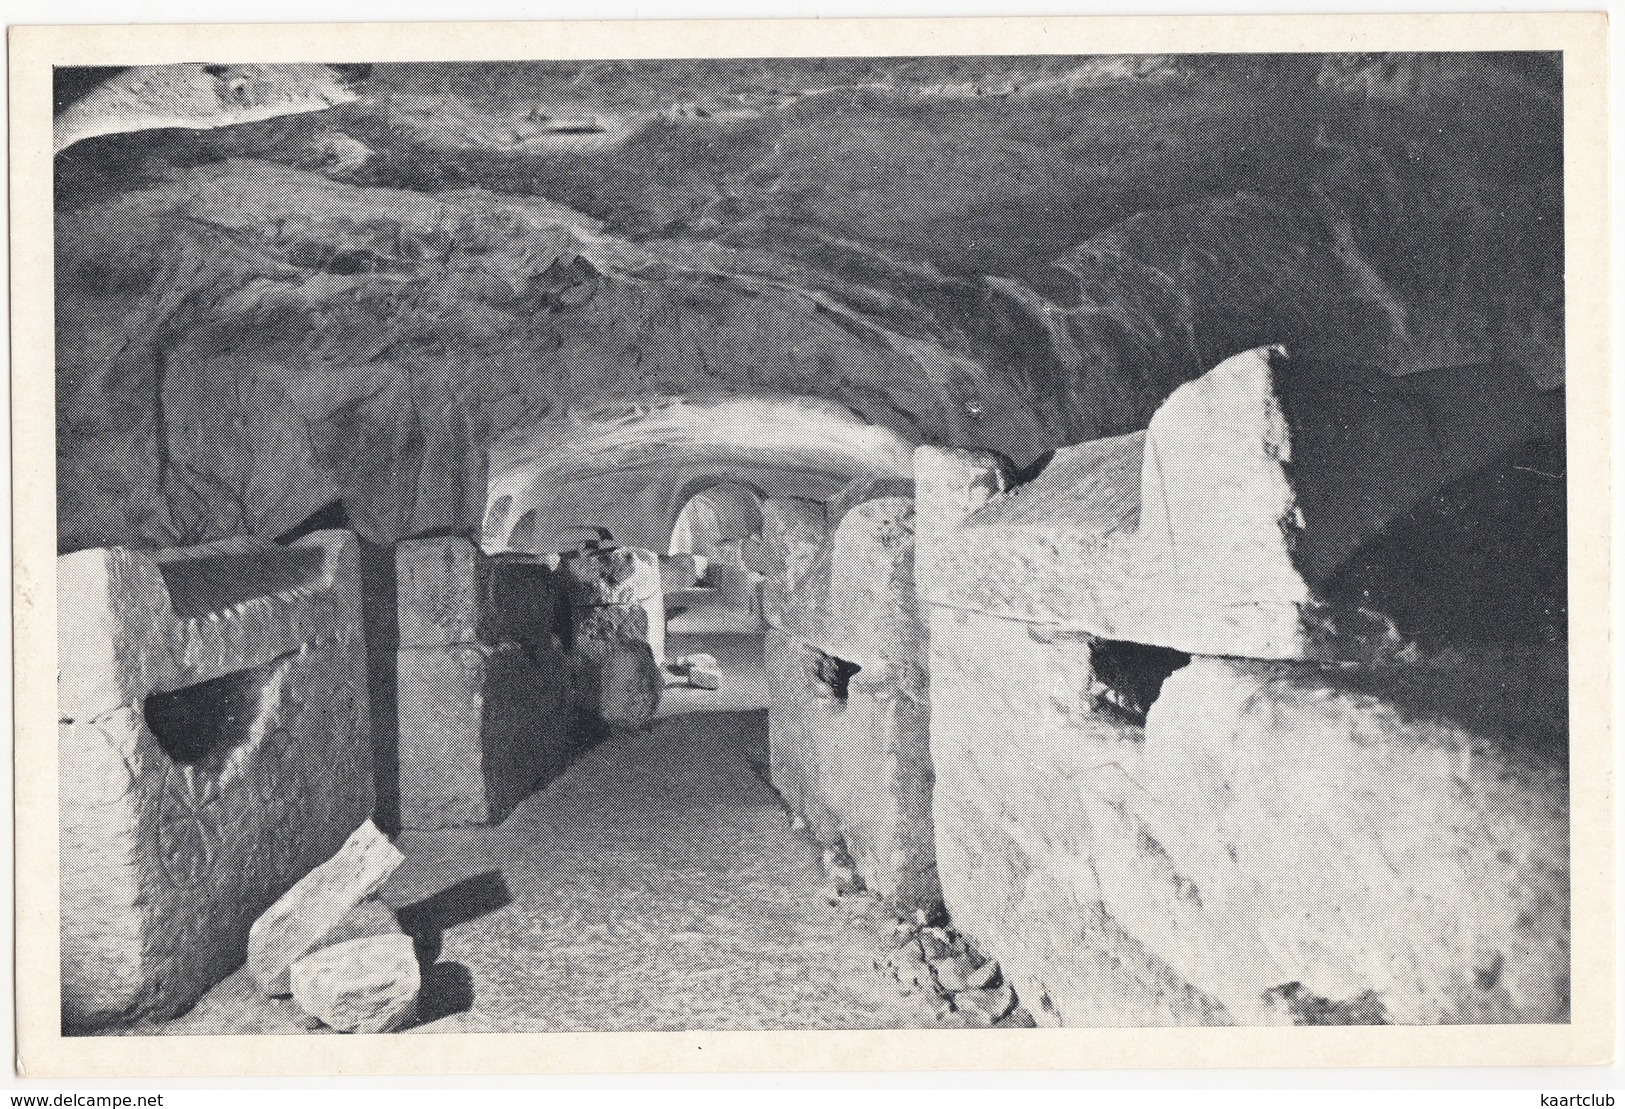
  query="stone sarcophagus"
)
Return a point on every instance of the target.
[
  {"x": 213, "y": 748},
  {"x": 1186, "y": 774},
  {"x": 849, "y": 709},
  {"x": 481, "y": 683}
]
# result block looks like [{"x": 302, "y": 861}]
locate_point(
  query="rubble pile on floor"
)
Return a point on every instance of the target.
[
  {"x": 336, "y": 949},
  {"x": 929, "y": 958}
]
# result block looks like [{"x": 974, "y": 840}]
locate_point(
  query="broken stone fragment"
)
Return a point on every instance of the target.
[
  {"x": 953, "y": 972},
  {"x": 370, "y": 918},
  {"x": 618, "y": 678},
  {"x": 701, "y": 661},
  {"x": 937, "y": 943},
  {"x": 364, "y": 985},
  {"x": 793, "y": 531},
  {"x": 984, "y": 1008},
  {"x": 317, "y": 905},
  {"x": 909, "y": 969},
  {"x": 983, "y": 977},
  {"x": 704, "y": 677}
]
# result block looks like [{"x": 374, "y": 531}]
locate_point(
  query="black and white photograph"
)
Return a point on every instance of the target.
[{"x": 980, "y": 541}]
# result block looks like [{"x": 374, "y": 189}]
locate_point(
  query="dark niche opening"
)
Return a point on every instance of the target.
[
  {"x": 1128, "y": 677},
  {"x": 213, "y": 716},
  {"x": 831, "y": 676},
  {"x": 1482, "y": 560},
  {"x": 332, "y": 516}
]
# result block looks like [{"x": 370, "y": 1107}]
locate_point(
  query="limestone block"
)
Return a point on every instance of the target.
[
  {"x": 871, "y": 615},
  {"x": 104, "y": 852},
  {"x": 857, "y": 768},
  {"x": 324, "y": 602},
  {"x": 1212, "y": 531},
  {"x": 481, "y": 728},
  {"x": 367, "y": 985},
  {"x": 315, "y": 906},
  {"x": 611, "y": 576},
  {"x": 848, "y": 720},
  {"x": 115, "y": 631},
  {"x": 949, "y": 485},
  {"x": 617, "y": 676},
  {"x": 691, "y": 662},
  {"x": 1268, "y": 827},
  {"x": 170, "y": 848},
  {"x": 792, "y": 533},
  {"x": 737, "y": 587},
  {"x": 792, "y": 753},
  {"x": 1026, "y": 780},
  {"x": 1373, "y": 852},
  {"x": 440, "y": 587},
  {"x": 876, "y": 776},
  {"x": 370, "y": 917}
]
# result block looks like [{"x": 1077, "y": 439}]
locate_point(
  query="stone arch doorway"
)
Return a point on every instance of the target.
[
  {"x": 714, "y": 597},
  {"x": 717, "y": 522}
]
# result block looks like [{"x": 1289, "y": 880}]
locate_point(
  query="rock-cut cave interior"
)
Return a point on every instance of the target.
[{"x": 812, "y": 543}]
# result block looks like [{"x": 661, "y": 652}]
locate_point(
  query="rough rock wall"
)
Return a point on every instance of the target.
[
  {"x": 848, "y": 735},
  {"x": 1215, "y": 840},
  {"x": 1004, "y": 254},
  {"x": 171, "y": 846}
]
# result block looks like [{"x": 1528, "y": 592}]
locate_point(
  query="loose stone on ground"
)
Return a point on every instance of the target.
[
  {"x": 304, "y": 916},
  {"x": 363, "y": 985}
]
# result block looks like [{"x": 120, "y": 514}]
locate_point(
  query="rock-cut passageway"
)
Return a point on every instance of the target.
[{"x": 658, "y": 884}]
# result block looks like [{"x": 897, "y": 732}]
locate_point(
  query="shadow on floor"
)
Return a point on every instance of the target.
[
  {"x": 426, "y": 921},
  {"x": 448, "y": 989}
]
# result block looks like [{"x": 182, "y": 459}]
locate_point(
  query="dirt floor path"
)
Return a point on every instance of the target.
[{"x": 656, "y": 885}]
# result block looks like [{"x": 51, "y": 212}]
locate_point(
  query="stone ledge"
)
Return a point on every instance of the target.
[{"x": 1377, "y": 852}]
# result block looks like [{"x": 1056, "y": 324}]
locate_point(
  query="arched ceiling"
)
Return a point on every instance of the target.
[
  {"x": 268, "y": 304},
  {"x": 629, "y": 469}
]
